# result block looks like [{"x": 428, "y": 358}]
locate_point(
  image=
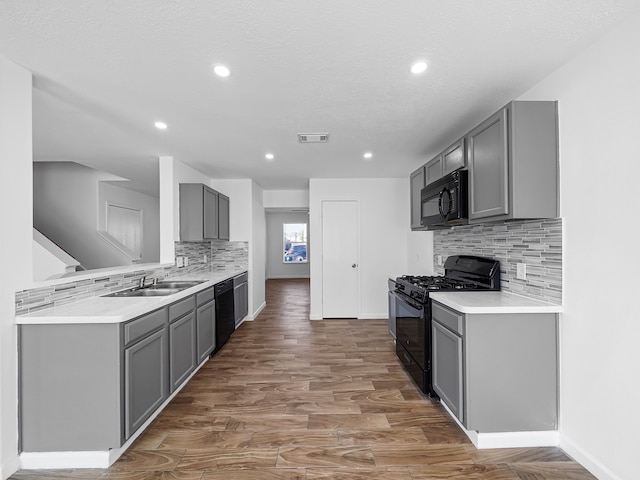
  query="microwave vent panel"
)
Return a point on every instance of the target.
[{"x": 313, "y": 137}]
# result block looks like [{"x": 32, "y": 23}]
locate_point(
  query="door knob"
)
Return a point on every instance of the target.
[{"x": 354, "y": 265}]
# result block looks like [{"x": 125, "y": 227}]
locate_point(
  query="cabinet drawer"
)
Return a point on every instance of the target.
[
  {"x": 205, "y": 296},
  {"x": 141, "y": 327},
  {"x": 449, "y": 318},
  {"x": 180, "y": 308},
  {"x": 240, "y": 279}
]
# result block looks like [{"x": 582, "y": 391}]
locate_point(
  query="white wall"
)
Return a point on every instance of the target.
[
  {"x": 67, "y": 208},
  {"x": 150, "y": 206},
  {"x": 257, "y": 252},
  {"x": 276, "y": 268},
  {"x": 290, "y": 199},
  {"x": 383, "y": 203},
  {"x": 16, "y": 212},
  {"x": 599, "y": 121},
  {"x": 240, "y": 207}
]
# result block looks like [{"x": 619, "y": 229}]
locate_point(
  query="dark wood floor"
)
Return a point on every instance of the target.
[{"x": 288, "y": 398}]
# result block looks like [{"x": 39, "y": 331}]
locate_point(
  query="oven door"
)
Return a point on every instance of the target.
[{"x": 411, "y": 329}]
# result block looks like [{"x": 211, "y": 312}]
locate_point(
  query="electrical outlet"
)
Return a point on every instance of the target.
[
  {"x": 186, "y": 261},
  {"x": 204, "y": 260},
  {"x": 521, "y": 271},
  {"x": 439, "y": 260},
  {"x": 179, "y": 262}
]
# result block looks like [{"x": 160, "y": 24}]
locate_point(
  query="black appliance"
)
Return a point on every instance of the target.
[
  {"x": 225, "y": 318},
  {"x": 413, "y": 309},
  {"x": 444, "y": 202}
]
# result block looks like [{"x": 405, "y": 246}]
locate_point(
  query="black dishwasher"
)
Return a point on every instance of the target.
[{"x": 225, "y": 319}]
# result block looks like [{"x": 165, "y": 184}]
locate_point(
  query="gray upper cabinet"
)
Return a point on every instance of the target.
[
  {"x": 433, "y": 170},
  {"x": 453, "y": 158},
  {"x": 223, "y": 217},
  {"x": 210, "y": 216},
  {"x": 513, "y": 163},
  {"x": 204, "y": 213},
  {"x": 416, "y": 184}
]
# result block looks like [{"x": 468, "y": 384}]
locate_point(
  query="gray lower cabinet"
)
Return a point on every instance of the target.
[
  {"x": 496, "y": 372},
  {"x": 240, "y": 297},
  {"x": 205, "y": 324},
  {"x": 513, "y": 163},
  {"x": 89, "y": 387},
  {"x": 145, "y": 379},
  {"x": 448, "y": 368},
  {"x": 182, "y": 349},
  {"x": 416, "y": 184}
]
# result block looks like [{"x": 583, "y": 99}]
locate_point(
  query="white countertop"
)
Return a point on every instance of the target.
[
  {"x": 119, "y": 309},
  {"x": 493, "y": 302}
]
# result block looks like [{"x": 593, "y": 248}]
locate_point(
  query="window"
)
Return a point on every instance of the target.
[{"x": 295, "y": 242}]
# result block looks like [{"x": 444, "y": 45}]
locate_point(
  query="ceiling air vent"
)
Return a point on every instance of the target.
[{"x": 313, "y": 137}]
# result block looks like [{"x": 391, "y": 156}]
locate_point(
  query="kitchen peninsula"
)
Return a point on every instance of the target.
[{"x": 96, "y": 372}]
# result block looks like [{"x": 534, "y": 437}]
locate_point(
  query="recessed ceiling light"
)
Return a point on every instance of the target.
[
  {"x": 160, "y": 125},
  {"x": 418, "y": 67},
  {"x": 368, "y": 155},
  {"x": 269, "y": 156},
  {"x": 221, "y": 70}
]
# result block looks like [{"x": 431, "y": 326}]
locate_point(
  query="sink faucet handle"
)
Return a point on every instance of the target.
[{"x": 142, "y": 280}]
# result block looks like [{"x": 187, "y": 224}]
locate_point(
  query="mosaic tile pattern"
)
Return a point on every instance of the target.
[
  {"x": 221, "y": 255},
  {"x": 538, "y": 243}
]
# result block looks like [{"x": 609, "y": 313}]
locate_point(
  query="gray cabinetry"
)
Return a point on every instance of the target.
[
  {"x": 145, "y": 379},
  {"x": 433, "y": 170},
  {"x": 513, "y": 162},
  {"x": 240, "y": 297},
  {"x": 182, "y": 341},
  {"x": 210, "y": 213},
  {"x": 453, "y": 158},
  {"x": 223, "y": 217},
  {"x": 70, "y": 387},
  {"x": 496, "y": 372},
  {"x": 416, "y": 185},
  {"x": 204, "y": 213},
  {"x": 205, "y": 324},
  {"x": 447, "y": 368}
]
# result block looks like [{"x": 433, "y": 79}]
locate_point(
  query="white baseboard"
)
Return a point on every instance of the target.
[
  {"x": 481, "y": 441},
  {"x": 587, "y": 461},
  {"x": 63, "y": 460},
  {"x": 256, "y": 313},
  {"x": 285, "y": 277},
  {"x": 9, "y": 467},
  {"x": 93, "y": 459},
  {"x": 373, "y": 316},
  {"x": 548, "y": 438},
  {"x": 315, "y": 317}
]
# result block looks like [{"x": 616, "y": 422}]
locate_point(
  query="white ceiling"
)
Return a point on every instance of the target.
[{"x": 104, "y": 71}]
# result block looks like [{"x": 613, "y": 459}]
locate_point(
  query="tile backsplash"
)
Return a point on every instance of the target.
[
  {"x": 221, "y": 255},
  {"x": 537, "y": 243}
]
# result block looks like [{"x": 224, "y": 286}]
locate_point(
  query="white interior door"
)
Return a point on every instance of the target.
[{"x": 340, "y": 255}]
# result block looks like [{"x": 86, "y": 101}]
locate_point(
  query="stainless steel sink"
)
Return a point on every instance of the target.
[
  {"x": 145, "y": 292},
  {"x": 181, "y": 284}
]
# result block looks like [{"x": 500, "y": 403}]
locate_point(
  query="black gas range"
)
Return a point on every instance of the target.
[{"x": 413, "y": 310}]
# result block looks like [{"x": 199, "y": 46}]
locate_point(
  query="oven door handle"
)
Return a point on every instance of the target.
[{"x": 408, "y": 305}]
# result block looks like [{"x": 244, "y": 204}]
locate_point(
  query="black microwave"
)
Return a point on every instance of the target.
[{"x": 444, "y": 202}]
